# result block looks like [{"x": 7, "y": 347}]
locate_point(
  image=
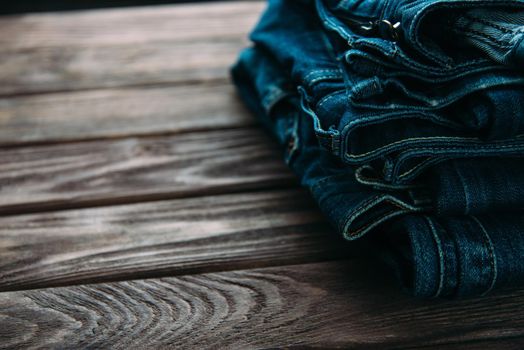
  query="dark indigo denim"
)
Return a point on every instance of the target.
[{"x": 385, "y": 123}]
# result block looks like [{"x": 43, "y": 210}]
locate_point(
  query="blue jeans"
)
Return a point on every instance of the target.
[{"x": 398, "y": 145}]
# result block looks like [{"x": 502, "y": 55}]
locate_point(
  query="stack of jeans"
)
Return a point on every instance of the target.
[{"x": 405, "y": 119}]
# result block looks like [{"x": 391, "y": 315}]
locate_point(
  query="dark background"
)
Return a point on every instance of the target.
[{"x": 22, "y": 6}]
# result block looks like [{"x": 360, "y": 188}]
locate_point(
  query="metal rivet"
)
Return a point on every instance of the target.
[{"x": 291, "y": 144}]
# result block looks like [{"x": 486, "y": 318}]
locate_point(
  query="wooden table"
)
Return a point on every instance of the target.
[{"x": 142, "y": 206}]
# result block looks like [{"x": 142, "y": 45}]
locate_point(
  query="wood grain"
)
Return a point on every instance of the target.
[
  {"x": 132, "y": 25},
  {"x": 81, "y": 174},
  {"x": 111, "y": 113},
  {"x": 152, "y": 239},
  {"x": 349, "y": 304},
  {"x": 64, "y": 52},
  {"x": 66, "y": 69}
]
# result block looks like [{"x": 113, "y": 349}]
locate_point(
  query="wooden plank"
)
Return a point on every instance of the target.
[
  {"x": 63, "y": 52},
  {"x": 153, "y": 239},
  {"x": 349, "y": 304},
  {"x": 70, "y": 68},
  {"x": 119, "y": 112},
  {"x": 81, "y": 174},
  {"x": 132, "y": 25}
]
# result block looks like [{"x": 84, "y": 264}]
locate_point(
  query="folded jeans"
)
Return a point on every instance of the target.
[
  {"x": 410, "y": 132},
  {"x": 456, "y": 228}
]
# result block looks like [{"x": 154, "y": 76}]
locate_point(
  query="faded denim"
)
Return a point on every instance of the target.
[{"x": 385, "y": 124}]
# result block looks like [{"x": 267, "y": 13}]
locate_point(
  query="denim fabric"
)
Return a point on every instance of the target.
[
  {"x": 398, "y": 137},
  {"x": 391, "y": 121}
]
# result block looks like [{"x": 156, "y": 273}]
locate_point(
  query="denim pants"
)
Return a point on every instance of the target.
[{"x": 403, "y": 139}]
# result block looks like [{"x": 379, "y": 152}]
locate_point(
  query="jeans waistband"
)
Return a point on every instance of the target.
[{"x": 424, "y": 26}]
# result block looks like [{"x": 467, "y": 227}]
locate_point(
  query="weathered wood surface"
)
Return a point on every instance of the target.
[
  {"x": 41, "y": 53},
  {"x": 338, "y": 304},
  {"x": 69, "y": 175},
  {"x": 68, "y": 69},
  {"x": 134, "y": 25},
  {"x": 163, "y": 237},
  {"x": 73, "y": 116}
]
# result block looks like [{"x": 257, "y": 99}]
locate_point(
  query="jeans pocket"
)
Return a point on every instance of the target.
[
  {"x": 426, "y": 26},
  {"x": 497, "y": 33}
]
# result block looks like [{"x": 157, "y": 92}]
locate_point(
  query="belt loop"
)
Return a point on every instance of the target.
[{"x": 329, "y": 140}]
